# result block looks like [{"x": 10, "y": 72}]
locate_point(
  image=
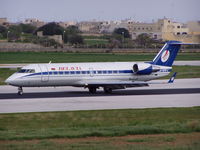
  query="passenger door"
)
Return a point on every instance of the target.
[{"x": 44, "y": 72}]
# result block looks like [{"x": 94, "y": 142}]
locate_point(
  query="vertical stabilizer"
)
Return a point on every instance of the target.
[{"x": 167, "y": 54}]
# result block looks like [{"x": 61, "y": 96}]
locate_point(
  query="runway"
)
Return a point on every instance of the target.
[{"x": 182, "y": 93}]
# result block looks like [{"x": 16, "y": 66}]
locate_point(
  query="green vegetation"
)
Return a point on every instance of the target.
[
  {"x": 186, "y": 72},
  {"x": 96, "y": 42},
  {"x": 5, "y": 73},
  {"x": 108, "y": 123},
  {"x": 60, "y": 57},
  {"x": 179, "y": 142}
]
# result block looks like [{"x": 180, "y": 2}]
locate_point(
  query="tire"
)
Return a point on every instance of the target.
[
  {"x": 92, "y": 90},
  {"x": 107, "y": 90},
  {"x": 20, "y": 93}
]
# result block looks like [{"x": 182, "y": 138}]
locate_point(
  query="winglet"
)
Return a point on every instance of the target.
[{"x": 171, "y": 80}]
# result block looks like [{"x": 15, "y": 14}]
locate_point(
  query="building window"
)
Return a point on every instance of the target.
[
  {"x": 138, "y": 28},
  {"x": 178, "y": 27},
  {"x": 178, "y": 33},
  {"x": 184, "y": 33}
]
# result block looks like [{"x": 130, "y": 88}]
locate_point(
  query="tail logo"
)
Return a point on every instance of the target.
[{"x": 165, "y": 56}]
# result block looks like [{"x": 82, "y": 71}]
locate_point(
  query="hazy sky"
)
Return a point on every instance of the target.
[{"x": 82, "y": 10}]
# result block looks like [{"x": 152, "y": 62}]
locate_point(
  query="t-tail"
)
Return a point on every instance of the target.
[{"x": 167, "y": 54}]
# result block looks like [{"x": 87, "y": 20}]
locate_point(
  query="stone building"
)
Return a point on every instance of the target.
[
  {"x": 35, "y": 22},
  {"x": 165, "y": 29},
  {"x": 4, "y": 22},
  {"x": 89, "y": 27}
]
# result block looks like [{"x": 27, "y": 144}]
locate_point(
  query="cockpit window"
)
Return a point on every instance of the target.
[{"x": 26, "y": 71}]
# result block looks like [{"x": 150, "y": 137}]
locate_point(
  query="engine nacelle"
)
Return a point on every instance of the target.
[{"x": 142, "y": 68}]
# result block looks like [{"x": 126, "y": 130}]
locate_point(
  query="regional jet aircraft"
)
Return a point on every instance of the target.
[{"x": 109, "y": 75}]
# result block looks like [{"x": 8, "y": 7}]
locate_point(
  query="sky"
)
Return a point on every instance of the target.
[{"x": 87, "y": 10}]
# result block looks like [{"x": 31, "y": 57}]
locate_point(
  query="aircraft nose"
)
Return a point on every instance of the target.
[{"x": 10, "y": 80}]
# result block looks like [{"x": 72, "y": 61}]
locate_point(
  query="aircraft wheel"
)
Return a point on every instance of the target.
[
  {"x": 107, "y": 90},
  {"x": 92, "y": 90},
  {"x": 20, "y": 91}
]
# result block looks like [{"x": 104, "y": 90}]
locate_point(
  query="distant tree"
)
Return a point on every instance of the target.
[
  {"x": 14, "y": 32},
  {"x": 144, "y": 39},
  {"x": 75, "y": 39},
  {"x": 3, "y": 31},
  {"x": 72, "y": 30},
  {"x": 51, "y": 29},
  {"x": 123, "y": 32},
  {"x": 114, "y": 43},
  {"x": 72, "y": 35},
  {"x": 27, "y": 28},
  {"x": 15, "y": 29},
  {"x": 65, "y": 38}
]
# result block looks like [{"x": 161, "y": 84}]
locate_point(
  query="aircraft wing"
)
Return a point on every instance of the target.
[
  {"x": 122, "y": 85},
  {"x": 116, "y": 85}
]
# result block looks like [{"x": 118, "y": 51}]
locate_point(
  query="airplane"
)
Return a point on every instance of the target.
[{"x": 108, "y": 75}]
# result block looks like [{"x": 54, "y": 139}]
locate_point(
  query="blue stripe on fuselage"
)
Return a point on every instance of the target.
[{"x": 88, "y": 72}]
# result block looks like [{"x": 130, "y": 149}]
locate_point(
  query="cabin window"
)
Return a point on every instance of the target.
[
  {"x": 66, "y": 72},
  {"x": 83, "y": 72},
  {"x": 99, "y": 72},
  {"x": 78, "y": 72},
  {"x": 115, "y": 71},
  {"x": 60, "y": 72},
  {"x": 55, "y": 72},
  {"x": 26, "y": 71}
]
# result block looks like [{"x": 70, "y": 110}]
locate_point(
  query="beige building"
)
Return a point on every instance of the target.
[
  {"x": 66, "y": 24},
  {"x": 4, "y": 21},
  {"x": 35, "y": 22},
  {"x": 194, "y": 27},
  {"x": 57, "y": 38},
  {"x": 165, "y": 29},
  {"x": 89, "y": 27}
]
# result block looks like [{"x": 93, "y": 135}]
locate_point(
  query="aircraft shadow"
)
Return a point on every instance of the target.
[{"x": 100, "y": 93}]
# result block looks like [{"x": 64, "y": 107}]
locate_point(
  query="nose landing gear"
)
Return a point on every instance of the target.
[{"x": 20, "y": 91}]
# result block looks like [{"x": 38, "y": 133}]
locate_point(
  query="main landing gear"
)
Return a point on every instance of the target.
[
  {"x": 93, "y": 90},
  {"x": 20, "y": 91},
  {"x": 107, "y": 90}
]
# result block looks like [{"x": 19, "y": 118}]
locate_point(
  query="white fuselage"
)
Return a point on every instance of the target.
[{"x": 81, "y": 74}]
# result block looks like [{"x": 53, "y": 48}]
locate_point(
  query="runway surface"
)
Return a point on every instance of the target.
[
  {"x": 182, "y": 93},
  {"x": 176, "y": 63}
]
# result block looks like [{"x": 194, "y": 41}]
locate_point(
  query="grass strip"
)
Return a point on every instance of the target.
[
  {"x": 61, "y": 57},
  {"x": 107, "y": 123}
]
